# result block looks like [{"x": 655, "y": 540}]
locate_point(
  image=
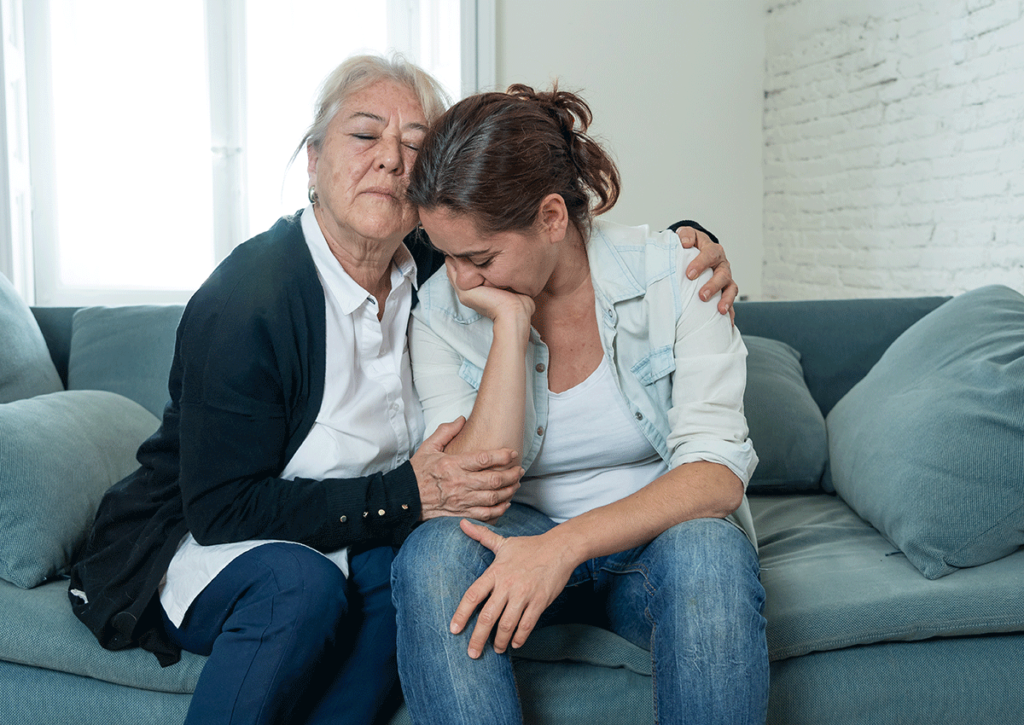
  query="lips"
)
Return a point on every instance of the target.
[{"x": 382, "y": 191}]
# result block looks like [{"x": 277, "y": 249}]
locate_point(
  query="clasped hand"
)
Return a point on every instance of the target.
[
  {"x": 527, "y": 575},
  {"x": 479, "y": 484}
]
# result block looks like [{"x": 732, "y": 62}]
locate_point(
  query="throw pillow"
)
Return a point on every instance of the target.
[
  {"x": 929, "y": 446},
  {"x": 125, "y": 350},
  {"x": 26, "y": 369},
  {"x": 59, "y": 453},
  {"x": 786, "y": 425}
]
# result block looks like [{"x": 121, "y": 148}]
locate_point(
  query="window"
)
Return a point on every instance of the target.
[{"x": 159, "y": 133}]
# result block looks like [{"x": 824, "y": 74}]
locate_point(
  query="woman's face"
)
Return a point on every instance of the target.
[
  {"x": 362, "y": 169},
  {"x": 520, "y": 262}
]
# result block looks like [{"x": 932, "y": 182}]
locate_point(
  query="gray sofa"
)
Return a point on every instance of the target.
[{"x": 857, "y": 414}]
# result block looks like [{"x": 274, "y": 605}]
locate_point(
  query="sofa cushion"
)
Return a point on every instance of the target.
[
  {"x": 58, "y": 454},
  {"x": 26, "y": 369},
  {"x": 832, "y": 581},
  {"x": 929, "y": 446},
  {"x": 39, "y": 629},
  {"x": 786, "y": 425},
  {"x": 125, "y": 350}
]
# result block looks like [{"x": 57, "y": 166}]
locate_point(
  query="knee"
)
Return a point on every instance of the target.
[
  {"x": 436, "y": 565},
  {"x": 308, "y": 584},
  {"x": 712, "y": 566}
]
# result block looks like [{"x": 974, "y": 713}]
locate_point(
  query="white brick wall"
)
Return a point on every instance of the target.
[{"x": 894, "y": 147}]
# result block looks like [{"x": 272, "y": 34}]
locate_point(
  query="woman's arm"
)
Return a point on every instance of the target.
[{"x": 496, "y": 407}]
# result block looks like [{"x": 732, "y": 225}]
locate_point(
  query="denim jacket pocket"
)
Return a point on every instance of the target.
[
  {"x": 471, "y": 373},
  {"x": 655, "y": 365}
]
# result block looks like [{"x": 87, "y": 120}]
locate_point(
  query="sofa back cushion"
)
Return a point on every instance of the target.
[
  {"x": 125, "y": 350},
  {"x": 26, "y": 369},
  {"x": 838, "y": 340},
  {"x": 786, "y": 425},
  {"x": 929, "y": 446}
]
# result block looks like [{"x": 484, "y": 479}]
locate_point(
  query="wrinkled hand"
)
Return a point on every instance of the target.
[
  {"x": 712, "y": 256},
  {"x": 527, "y": 574},
  {"x": 492, "y": 301},
  {"x": 479, "y": 484}
]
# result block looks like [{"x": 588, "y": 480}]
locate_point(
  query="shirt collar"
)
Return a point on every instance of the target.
[{"x": 348, "y": 293}]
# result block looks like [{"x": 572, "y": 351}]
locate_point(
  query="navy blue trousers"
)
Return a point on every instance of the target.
[{"x": 290, "y": 640}]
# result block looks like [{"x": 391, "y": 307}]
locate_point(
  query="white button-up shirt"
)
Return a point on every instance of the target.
[{"x": 370, "y": 419}]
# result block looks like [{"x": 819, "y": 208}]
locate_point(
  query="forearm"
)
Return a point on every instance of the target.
[
  {"x": 690, "y": 491},
  {"x": 498, "y": 413}
]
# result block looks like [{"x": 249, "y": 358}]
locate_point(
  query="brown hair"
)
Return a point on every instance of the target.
[{"x": 495, "y": 156}]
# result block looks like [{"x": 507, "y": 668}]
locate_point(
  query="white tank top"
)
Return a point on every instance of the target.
[{"x": 593, "y": 452}]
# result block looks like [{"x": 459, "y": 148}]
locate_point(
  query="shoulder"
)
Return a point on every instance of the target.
[
  {"x": 267, "y": 284},
  {"x": 637, "y": 256}
]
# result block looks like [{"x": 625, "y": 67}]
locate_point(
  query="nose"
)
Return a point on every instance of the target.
[
  {"x": 466, "y": 275},
  {"x": 390, "y": 154}
]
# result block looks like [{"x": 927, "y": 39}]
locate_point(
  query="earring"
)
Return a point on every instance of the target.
[{"x": 313, "y": 198}]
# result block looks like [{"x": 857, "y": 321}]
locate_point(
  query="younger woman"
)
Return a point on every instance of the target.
[{"x": 583, "y": 345}]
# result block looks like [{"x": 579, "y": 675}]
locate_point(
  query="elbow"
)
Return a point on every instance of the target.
[{"x": 731, "y": 497}]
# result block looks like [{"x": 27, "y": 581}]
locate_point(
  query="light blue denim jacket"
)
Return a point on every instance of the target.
[{"x": 680, "y": 365}]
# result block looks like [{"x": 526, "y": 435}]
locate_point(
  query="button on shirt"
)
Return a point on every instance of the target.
[{"x": 370, "y": 419}]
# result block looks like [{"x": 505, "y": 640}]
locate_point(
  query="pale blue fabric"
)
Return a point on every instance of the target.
[
  {"x": 929, "y": 446},
  {"x": 786, "y": 425},
  {"x": 126, "y": 350},
  {"x": 832, "y": 581},
  {"x": 26, "y": 369},
  {"x": 58, "y": 454},
  {"x": 971, "y": 680},
  {"x": 39, "y": 629},
  {"x": 35, "y": 696}
]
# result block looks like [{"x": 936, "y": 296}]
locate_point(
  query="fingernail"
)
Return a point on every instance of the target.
[
  {"x": 691, "y": 273},
  {"x": 454, "y": 628},
  {"x": 474, "y": 653},
  {"x": 704, "y": 296}
]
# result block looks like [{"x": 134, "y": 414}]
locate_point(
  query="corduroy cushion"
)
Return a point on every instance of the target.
[
  {"x": 929, "y": 446},
  {"x": 26, "y": 369},
  {"x": 125, "y": 350},
  {"x": 59, "y": 453},
  {"x": 786, "y": 425}
]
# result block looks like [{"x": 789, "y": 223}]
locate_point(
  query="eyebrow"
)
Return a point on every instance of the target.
[
  {"x": 472, "y": 253},
  {"x": 379, "y": 119}
]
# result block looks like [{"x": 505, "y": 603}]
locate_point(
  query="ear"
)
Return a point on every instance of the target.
[
  {"x": 313, "y": 155},
  {"x": 553, "y": 217}
]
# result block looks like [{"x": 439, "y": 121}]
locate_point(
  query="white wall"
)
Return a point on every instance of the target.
[
  {"x": 677, "y": 94},
  {"x": 894, "y": 147}
]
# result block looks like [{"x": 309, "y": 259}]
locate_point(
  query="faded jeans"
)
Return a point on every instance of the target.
[{"x": 692, "y": 597}]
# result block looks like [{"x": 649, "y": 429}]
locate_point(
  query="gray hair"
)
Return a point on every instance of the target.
[{"x": 362, "y": 71}]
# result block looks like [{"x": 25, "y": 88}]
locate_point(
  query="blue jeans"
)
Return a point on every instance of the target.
[
  {"x": 692, "y": 597},
  {"x": 289, "y": 640}
]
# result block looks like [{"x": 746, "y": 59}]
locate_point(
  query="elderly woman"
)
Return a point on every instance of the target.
[
  {"x": 582, "y": 344},
  {"x": 261, "y": 526},
  {"x": 292, "y": 430}
]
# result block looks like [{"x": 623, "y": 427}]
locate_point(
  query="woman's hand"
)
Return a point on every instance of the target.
[
  {"x": 478, "y": 484},
  {"x": 492, "y": 302},
  {"x": 712, "y": 256},
  {"x": 527, "y": 574}
]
